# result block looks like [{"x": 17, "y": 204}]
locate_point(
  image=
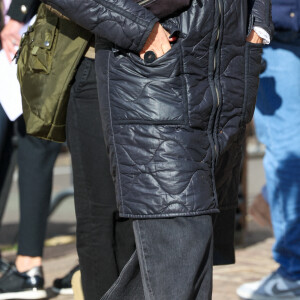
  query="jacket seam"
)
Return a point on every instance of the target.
[
  {"x": 246, "y": 70},
  {"x": 112, "y": 131},
  {"x": 184, "y": 88},
  {"x": 123, "y": 12},
  {"x": 149, "y": 122},
  {"x": 143, "y": 264},
  {"x": 119, "y": 279}
]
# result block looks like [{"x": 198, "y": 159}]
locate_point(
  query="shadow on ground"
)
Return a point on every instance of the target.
[{"x": 254, "y": 234}]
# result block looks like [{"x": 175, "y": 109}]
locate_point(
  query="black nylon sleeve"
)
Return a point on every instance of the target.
[
  {"x": 261, "y": 15},
  {"x": 123, "y": 22},
  {"x": 23, "y": 10}
]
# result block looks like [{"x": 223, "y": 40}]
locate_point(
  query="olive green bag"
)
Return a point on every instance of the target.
[{"x": 49, "y": 54}]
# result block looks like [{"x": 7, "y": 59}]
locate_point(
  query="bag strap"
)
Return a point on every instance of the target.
[{"x": 59, "y": 14}]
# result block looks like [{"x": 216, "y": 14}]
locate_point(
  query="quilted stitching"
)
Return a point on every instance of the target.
[
  {"x": 175, "y": 128},
  {"x": 159, "y": 173}
]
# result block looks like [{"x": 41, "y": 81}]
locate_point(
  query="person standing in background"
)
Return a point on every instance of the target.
[
  {"x": 162, "y": 108},
  {"x": 16, "y": 15},
  {"x": 277, "y": 124},
  {"x": 36, "y": 160},
  {"x": 105, "y": 241}
]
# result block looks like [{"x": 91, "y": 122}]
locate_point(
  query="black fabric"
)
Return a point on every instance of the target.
[
  {"x": 66, "y": 281},
  {"x": 261, "y": 15},
  {"x": 164, "y": 8},
  {"x": 172, "y": 124},
  {"x": 15, "y": 11},
  {"x": 224, "y": 228},
  {"x": 6, "y": 131},
  {"x": 104, "y": 240},
  {"x": 14, "y": 281},
  {"x": 173, "y": 261},
  {"x": 121, "y": 14},
  {"x": 36, "y": 160}
]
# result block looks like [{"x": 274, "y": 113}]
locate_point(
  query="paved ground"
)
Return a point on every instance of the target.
[
  {"x": 252, "y": 263},
  {"x": 253, "y": 257}
]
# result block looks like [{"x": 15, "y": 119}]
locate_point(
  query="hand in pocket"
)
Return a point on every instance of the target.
[
  {"x": 254, "y": 38},
  {"x": 157, "y": 42}
]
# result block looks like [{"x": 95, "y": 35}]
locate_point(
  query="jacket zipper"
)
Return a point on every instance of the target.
[
  {"x": 215, "y": 83},
  {"x": 144, "y": 2}
]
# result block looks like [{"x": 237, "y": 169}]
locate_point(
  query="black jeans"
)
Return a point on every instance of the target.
[
  {"x": 105, "y": 242},
  {"x": 173, "y": 261}
]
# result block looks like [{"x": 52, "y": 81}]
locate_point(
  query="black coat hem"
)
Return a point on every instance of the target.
[{"x": 170, "y": 215}]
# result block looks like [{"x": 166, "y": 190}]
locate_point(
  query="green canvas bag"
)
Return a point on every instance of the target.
[{"x": 49, "y": 54}]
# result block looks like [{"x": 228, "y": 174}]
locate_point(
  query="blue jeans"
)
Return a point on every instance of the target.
[
  {"x": 173, "y": 261},
  {"x": 277, "y": 120}
]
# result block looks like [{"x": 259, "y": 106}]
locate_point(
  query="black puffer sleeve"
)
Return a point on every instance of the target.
[
  {"x": 123, "y": 22},
  {"x": 260, "y": 12}
]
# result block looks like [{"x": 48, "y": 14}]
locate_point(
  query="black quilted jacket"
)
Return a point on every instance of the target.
[{"x": 175, "y": 127}]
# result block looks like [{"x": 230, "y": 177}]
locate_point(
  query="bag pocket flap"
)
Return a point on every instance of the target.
[{"x": 44, "y": 35}]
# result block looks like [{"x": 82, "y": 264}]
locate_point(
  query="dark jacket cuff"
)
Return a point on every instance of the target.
[
  {"x": 260, "y": 14},
  {"x": 122, "y": 22},
  {"x": 22, "y": 10}
]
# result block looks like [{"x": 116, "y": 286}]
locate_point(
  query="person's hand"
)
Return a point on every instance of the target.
[
  {"x": 10, "y": 38},
  {"x": 158, "y": 42},
  {"x": 254, "y": 38}
]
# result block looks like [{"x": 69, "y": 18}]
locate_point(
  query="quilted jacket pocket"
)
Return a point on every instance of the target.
[
  {"x": 253, "y": 54},
  {"x": 147, "y": 93}
]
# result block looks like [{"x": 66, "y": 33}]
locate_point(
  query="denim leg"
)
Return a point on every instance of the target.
[
  {"x": 175, "y": 257},
  {"x": 173, "y": 261},
  {"x": 129, "y": 284},
  {"x": 277, "y": 124},
  {"x": 105, "y": 241}
]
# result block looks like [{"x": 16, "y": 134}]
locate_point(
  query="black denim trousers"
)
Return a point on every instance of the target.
[
  {"x": 173, "y": 261},
  {"x": 105, "y": 242}
]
